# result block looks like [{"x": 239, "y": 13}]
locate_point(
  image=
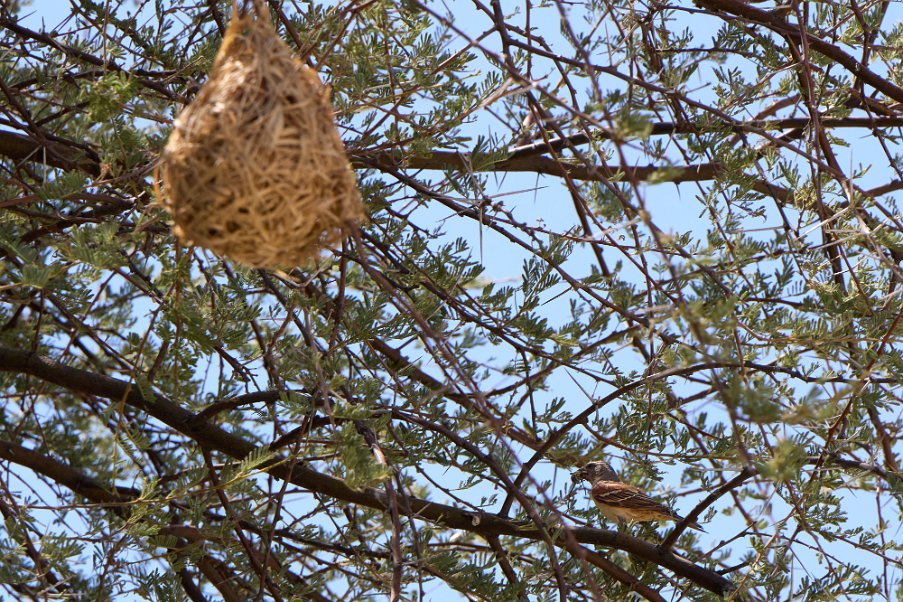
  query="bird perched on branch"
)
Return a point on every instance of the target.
[{"x": 621, "y": 502}]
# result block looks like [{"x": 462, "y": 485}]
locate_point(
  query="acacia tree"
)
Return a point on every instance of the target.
[{"x": 661, "y": 233}]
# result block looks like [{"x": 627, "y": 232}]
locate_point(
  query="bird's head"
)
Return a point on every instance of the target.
[{"x": 595, "y": 471}]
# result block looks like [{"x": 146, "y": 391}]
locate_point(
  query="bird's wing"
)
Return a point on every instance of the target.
[
  {"x": 621, "y": 495},
  {"x": 632, "y": 501}
]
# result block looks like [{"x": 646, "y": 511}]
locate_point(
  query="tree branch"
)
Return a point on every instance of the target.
[
  {"x": 774, "y": 20},
  {"x": 116, "y": 498},
  {"x": 212, "y": 437},
  {"x": 53, "y": 154}
]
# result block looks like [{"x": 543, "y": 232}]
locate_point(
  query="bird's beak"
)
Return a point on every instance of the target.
[{"x": 578, "y": 476}]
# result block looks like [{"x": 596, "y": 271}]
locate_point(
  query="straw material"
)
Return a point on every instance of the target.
[{"x": 255, "y": 168}]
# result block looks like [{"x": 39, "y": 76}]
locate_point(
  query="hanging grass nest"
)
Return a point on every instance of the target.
[{"x": 254, "y": 168}]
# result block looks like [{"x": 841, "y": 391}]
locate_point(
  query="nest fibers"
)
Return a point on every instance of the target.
[{"x": 255, "y": 168}]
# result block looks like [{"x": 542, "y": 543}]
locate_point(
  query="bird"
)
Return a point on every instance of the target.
[{"x": 621, "y": 502}]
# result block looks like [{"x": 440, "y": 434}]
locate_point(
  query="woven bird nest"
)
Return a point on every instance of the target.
[{"x": 254, "y": 168}]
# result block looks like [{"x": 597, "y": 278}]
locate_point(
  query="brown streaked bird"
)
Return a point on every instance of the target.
[{"x": 621, "y": 502}]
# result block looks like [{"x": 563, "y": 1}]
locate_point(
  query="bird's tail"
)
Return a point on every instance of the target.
[{"x": 693, "y": 525}]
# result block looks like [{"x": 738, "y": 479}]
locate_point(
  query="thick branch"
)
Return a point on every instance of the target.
[
  {"x": 774, "y": 20},
  {"x": 66, "y": 475},
  {"x": 442, "y": 160},
  {"x": 116, "y": 498},
  {"x": 668, "y": 128},
  {"x": 213, "y": 437},
  {"x": 54, "y": 154}
]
